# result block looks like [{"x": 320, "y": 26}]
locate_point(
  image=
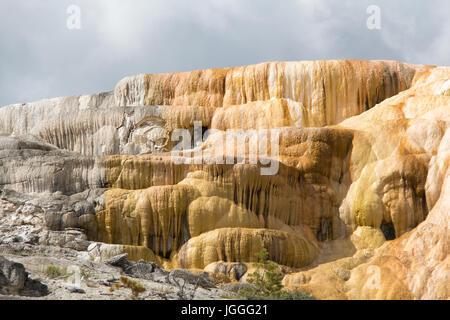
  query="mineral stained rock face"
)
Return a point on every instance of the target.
[{"x": 338, "y": 168}]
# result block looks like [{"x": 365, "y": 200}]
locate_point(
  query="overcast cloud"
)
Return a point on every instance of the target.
[{"x": 41, "y": 58}]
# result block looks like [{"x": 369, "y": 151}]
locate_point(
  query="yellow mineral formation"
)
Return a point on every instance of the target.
[
  {"x": 358, "y": 201},
  {"x": 400, "y": 182},
  {"x": 372, "y": 177},
  {"x": 242, "y": 244},
  {"x": 315, "y": 93}
]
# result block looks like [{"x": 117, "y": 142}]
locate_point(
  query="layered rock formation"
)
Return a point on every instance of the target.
[{"x": 318, "y": 162}]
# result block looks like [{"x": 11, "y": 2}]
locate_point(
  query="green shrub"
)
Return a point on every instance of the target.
[
  {"x": 85, "y": 273},
  {"x": 266, "y": 281},
  {"x": 55, "y": 272}
]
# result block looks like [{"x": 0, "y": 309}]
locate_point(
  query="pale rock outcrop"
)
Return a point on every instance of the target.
[
  {"x": 234, "y": 270},
  {"x": 29, "y": 165}
]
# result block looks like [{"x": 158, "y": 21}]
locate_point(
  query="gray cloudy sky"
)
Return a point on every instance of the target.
[{"x": 41, "y": 58}]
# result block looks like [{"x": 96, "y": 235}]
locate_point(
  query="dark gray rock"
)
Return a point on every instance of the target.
[
  {"x": 75, "y": 289},
  {"x": 14, "y": 280},
  {"x": 186, "y": 276},
  {"x": 142, "y": 269},
  {"x": 34, "y": 288},
  {"x": 12, "y": 276},
  {"x": 234, "y": 270},
  {"x": 70, "y": 238},
  {"x": 108, "y": 282},
  {"x": 119, "y": 261},
  {"x": 234, "y": 287}
]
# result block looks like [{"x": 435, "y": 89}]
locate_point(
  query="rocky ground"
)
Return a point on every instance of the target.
[{"x": 25, "y": 276}]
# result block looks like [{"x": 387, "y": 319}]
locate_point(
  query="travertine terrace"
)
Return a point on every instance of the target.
[{"x": 362, "y": 181}]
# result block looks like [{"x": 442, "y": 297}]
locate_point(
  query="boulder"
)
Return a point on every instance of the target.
[
  {"x": 182, "y": 276},
  {"x": 234, "y": 270},
  {"x": 14, "y": 280}
]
